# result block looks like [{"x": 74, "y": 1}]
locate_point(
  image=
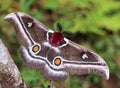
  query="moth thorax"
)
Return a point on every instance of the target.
[{"x": 56, "y": 38}]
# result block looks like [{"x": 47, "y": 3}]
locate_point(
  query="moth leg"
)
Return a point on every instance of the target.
[{"x": 51, "y": 84}]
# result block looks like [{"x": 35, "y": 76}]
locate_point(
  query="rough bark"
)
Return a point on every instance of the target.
[{"x": 9, "y": 72}]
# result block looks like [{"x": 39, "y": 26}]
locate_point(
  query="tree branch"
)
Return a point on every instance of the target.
[{"x": 9, "y": 72}]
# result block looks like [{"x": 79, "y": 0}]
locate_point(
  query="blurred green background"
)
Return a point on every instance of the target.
[{"x": 94, "y": 24}]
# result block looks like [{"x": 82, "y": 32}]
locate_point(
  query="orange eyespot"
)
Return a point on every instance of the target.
[
  {"x": 35, "y": 48},
  {"x": 57, "y": 61}
]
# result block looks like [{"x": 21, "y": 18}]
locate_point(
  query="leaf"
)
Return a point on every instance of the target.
[
  {"x": 50, "y": 4},
  {"x": 25, "y": 5}
]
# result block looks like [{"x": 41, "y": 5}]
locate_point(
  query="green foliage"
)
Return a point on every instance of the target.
[
  {"x": 93, "y": 15},
  {"x": 33, "y": 79},
  {"x": 4, "y": 5},
  {"x": 50, "y": 4},
  {"x": 75, "y": 83},
  {"x": 25, "y": 5}
]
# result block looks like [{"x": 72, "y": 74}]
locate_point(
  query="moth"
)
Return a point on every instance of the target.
[{"x": 51, "y": 53}]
